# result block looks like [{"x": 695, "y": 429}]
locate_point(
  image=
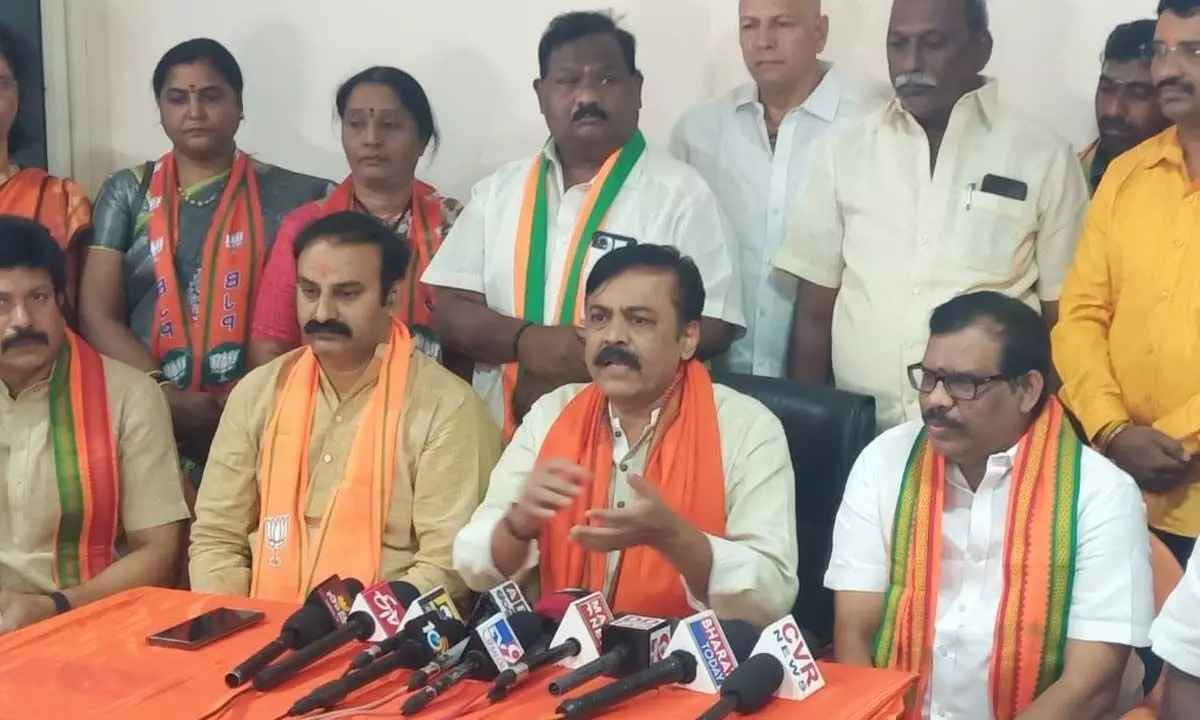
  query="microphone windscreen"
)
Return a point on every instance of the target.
[
  {"x": 406, "y": 593},
  {"x": 308, "y": 623},
  {"x": 353, "y": 586},
  {"x": 527, "y": 627},
  {"x": 754, "y": 682},
  {"x": 742, "y": 637}
]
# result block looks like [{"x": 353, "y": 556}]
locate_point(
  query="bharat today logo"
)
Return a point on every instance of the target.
[{"x": 224, "y": 364}]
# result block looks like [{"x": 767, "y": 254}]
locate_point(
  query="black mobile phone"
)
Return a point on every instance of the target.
[{"x": 205, "y": 629}]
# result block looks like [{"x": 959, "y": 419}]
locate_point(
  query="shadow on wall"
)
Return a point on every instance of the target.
[
  {"x": 95, "y": 117},
  {"x": 1032, "y": 46},
  {"x": 279, "y": 52}
]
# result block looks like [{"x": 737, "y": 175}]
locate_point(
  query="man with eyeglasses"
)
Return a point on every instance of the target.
[
  {"x": 1128, "y": 341},
  {"x": 948, "y": 553},
  {"x": 1127, "y": 110}
]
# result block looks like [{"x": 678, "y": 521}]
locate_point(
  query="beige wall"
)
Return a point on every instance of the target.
[{"x": 476, "y": 58}]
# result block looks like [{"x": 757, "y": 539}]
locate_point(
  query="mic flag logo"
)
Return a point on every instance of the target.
[
  {"x": 437, "y": 601},
  {"x": 702, "y": 637},
  {"x": 801, "y": 675},
  {"x": 660, "y": 638},
  {"x": 583, "y": 621},
  {"x": 385, "y": 609},
  {"x": 508, "y": 598},
  {"x": 333, "y": 595},
  {"x": 501, "y": 642}
]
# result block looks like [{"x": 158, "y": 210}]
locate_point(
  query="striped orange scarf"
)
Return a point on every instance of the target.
[
  {"x": 85, "y": 462},
  {"x": 350, "y": 537},
  {"x": 685, "y": 464},
  {"x": 1039, "y": 566},
  {"x": 207, "y": 351},
  {"x": 53, "y": 202}
]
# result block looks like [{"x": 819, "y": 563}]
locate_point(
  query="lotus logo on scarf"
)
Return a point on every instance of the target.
[
  {"x": 153, "y": 203},
  {"x": 234, "y": 240},
  {"x": 175, "y": 368},
  {"x": 275, "y": 527},
  {"x": 156, "y": 247}
]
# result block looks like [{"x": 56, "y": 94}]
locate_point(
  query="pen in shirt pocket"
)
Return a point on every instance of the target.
[{"x": 970, "y": 194}]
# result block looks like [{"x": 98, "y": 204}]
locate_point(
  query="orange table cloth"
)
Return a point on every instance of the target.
[{"x": 94, "y": 662}]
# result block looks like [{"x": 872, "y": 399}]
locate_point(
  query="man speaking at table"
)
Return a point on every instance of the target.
[
  {"x": 652, "y": 484},
  {"x": 84, "y": 441},
  {"x": 353, "y": 455}
]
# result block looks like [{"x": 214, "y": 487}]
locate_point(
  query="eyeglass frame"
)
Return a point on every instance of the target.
[
  {"x": 1159, "y": 50},
  {"x": 977, "y": 383}
]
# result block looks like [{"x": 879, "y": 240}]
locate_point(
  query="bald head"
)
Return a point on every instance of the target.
[{"x": 781, "y": 39}]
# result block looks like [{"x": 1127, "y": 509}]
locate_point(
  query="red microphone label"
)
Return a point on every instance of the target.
[
  {"x": 384, "y": 607},
  {"x": 333, "y": 595},
  {"x": 595, "y": 613}
]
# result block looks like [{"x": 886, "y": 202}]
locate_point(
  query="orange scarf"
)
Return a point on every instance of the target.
[
  {"x": 206, "y": 351},
  {"x": 414, "y": 303},
  {"x": 685, "y": 464},
  {"x": 57, "y": 204},
  {"x": 350, "y": 537}
]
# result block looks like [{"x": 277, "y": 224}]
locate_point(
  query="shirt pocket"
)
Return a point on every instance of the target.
[{"x": 990, "y": 231}]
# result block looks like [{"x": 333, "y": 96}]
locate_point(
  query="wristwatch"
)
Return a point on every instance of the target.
[{"x": 61, "y": 603}]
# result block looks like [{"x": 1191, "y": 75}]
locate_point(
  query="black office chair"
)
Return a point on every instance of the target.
[{"x": 826, "y": 429}]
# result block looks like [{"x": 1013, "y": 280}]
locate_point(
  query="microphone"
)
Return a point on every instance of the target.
[
  {"x": 302, "y": 627},
  {"x": 496, "y": 646},
  {"x": 504, "y": 599},
  {"x": 577, "y": 621},
  {"x": 678, "y": 667},
  {"x": 387, "y": 604},
  {"x": 749, "y": 688},
  {"x": 360, "y": 625},
  {"x": 418, "y": 643},
  {"x": 628, "y": 644}
]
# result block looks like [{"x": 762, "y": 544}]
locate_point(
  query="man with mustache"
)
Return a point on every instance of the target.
[
  {"x": 1127, "y": 110},
  {"x": 985, "y": 547},
  {"x": 89, "y": 502},
  {"x": 651, "y": 484},
  {"x": 1127, "y": 342},
  {"x": 354, "y": 455},
  {"x": 752, "y": 146},
  {"x": 943, "y": 191},
  {"x": 509, "y": 277}
]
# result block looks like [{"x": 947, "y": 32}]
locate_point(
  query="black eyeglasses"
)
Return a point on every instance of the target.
[{"x": 960, "y": 386}]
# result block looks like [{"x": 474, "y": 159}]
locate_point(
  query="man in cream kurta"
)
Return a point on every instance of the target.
[{"x": 942, "y": 191}]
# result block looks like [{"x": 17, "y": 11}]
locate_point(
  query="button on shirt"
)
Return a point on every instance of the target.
[
  {"x": 1112, "y": 596},
  {"x": 726, "y": 140},
  {"x": 897, "y": 241},
  {"x": 1129, "y": 318},
  {"x": 150, "y": 483},
  {"x": 753, "y": 567},
  {"x": 663, "y": 201},
  {"x": 1176, "y": 634}
]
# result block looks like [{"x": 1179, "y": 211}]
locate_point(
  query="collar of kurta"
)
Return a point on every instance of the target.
[
  {"x": 550, "y": 152},
  {"x": 983, "y": 100},
  {"x": 823, "y": 102},
  {"x": 1164, "y": 148}
]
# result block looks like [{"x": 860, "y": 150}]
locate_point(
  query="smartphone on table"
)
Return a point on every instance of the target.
[{"x": 206, "y": 629}]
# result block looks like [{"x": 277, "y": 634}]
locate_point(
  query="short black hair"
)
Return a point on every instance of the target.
[
  {"x": 1182, "y": 8},
  {"x": 1022, "y": 332},
  {"x": 16, "y": 54},
  {"x": 977, "y": 17},
  {"x": 689, "y": 285},
  {"x": 572, "y": 26},
  {"x": 357, "y": 228},
  {"x": 408, "y": 92},
  {"x": 1130, "y": 41},
  {"x": 197, "y": 50},
  {"x": 25, "y": 243}
]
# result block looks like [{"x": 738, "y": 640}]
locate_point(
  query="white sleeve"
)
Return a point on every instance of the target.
[
  {"x": 459, "y": 262},
  {"x": 1175, "y": 636},
  {"x": 859, "y": 562}
]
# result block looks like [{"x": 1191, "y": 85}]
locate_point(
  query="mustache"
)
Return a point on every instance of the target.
[
  {"x": 328, "y": 327},
  {"x": 920, "y": 79},
  {"x": 940, "y": 416},
  {"x": 23, "y": 337},
  {"x": 590, "y": 110},
  {"x": 617, "y": 355},
  {"x": 1177, "y": 84},
  {"x": 1116, "y": 124}
]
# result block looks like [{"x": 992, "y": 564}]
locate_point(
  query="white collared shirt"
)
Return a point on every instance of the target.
[
  {"x": 663, "y": 201},
  {"x": 1175, "y": 635},
  {"x": 727, "y": 141},
  {"x": 1112, "y": 598},
  {"x": 897, "y": 242},
  {"x": 753, "y": 574}
]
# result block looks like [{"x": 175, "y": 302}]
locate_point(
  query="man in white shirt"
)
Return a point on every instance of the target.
[
  {"x": 651, "y": 484},
  {"x": 1176, "y": 639},
  {"x": 940, "y": 192},
  {"x": 948, "y": 558},
  {"x": 752, "y": 145},
  {"x": 509, "y": 276}
]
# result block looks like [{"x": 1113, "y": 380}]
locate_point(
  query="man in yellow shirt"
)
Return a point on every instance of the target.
[
  {"x": 1127, "y": 343},
  {"x": 355, "y": 454}
]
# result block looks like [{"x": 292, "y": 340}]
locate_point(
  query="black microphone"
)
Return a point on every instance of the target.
[
  {"x": 507, "y": 679},
  {"x": 405, "y": 594},
  {"x": 678, "y": 667},
  {"x": 302, "y": 627},
  {"x": 420, "y": 640},
  {"x": 749, "y": 688},
  {"x": 630, "y": 643}
]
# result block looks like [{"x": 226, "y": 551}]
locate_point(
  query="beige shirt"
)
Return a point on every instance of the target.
[
  {"x": 448, "y": 445},
  {"x": 150, "y": 484},
  {"x": 898, "y": 241},
  {"x": 753, "y": 567}
]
